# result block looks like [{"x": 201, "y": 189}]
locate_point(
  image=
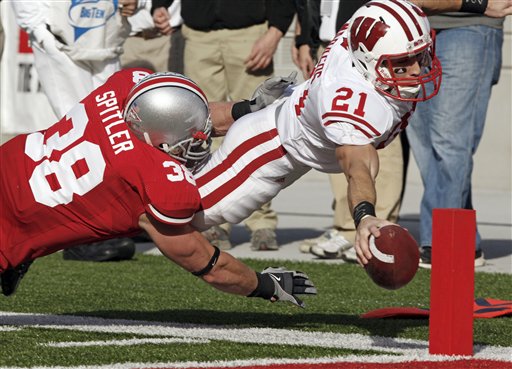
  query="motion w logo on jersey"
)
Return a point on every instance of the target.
[
  {"x": 85, "y": 15},
  {"x": 367, "y": 31}
]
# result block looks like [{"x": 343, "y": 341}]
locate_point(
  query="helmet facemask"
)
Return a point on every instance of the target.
[
  {"x": 412, "y": 88},
  {"x": 194, "y": 151}
]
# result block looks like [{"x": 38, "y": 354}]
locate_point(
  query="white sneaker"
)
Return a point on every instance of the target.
[
  {"x": 332, "y": 248},
  {"x": 350, "y": 255},
  {"x": 305, "y": 245}
]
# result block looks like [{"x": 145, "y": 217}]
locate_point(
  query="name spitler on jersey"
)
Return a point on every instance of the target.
[{"x": 87, "y": 178}]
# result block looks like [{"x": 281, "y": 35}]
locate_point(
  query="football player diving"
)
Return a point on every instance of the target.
[
  {"x": 358, "y": 99},
  {"x": 121, "y": 162}
]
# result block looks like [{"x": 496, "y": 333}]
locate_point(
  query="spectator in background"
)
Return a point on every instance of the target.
[
  {"x": 76, "y": 48},
  {"x": 446, "y": 130},
  {"x": 318, "y": 22},
  {"x": 229, "y": 47},
  {"x": 146, "y": 46}
]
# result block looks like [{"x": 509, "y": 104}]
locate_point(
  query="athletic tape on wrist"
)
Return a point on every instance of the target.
[
  {"x": 362, "y": 210},
  {"x": 210, "y": 265},
  {"x": 474, "y": 6},
  {"x": 240, "y": 109}
]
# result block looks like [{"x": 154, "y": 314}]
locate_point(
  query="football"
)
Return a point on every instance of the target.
[{"x": 395, "y": 257}]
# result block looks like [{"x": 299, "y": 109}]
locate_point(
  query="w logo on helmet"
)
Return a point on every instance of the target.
[{"x": 366, "y": 31}]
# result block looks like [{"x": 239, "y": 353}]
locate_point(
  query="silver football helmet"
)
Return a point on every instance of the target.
[{"x": 170, "y": 112}]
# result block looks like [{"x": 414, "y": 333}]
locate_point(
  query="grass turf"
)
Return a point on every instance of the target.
[{"x": 153, "y": 289}]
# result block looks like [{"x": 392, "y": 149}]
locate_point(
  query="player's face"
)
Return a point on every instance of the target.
[{"x": 406, "y": 67}]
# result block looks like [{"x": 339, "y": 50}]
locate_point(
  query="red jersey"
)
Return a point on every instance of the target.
[{"x": 87, "y": 178}]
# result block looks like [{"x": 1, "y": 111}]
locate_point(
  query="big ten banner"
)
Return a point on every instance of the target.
[{"x": 24, "y": 106}]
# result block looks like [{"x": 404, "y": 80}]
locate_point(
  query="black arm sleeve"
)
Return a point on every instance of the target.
[
  {"x": 159, "y": 4},
  {"x": 280, "y": 14},
  {"x": 308, "y": 14}
]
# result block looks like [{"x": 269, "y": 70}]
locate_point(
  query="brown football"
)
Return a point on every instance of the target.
[{"x": 395, "y": 257}]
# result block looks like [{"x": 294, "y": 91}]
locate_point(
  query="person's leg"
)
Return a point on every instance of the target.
[
  {"x": 203, "y": 62},
  {"x": 241, "y": 85},
  {"x": 444, "y": 129},
  {"x": 146, "y": 53},
  {"x": 238, "y": 46},
  {"x": 245, "y": 172}
]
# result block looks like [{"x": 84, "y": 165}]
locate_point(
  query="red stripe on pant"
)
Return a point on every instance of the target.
[
  {"x": 224, "y": 190},
  {"x": 236, "y": 154}
]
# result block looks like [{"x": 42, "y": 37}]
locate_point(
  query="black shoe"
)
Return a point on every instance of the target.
[
  {"x": 11, "y": 278},
  {"x": 426, "y": 257},
  {"x": 110, "y": 250}
]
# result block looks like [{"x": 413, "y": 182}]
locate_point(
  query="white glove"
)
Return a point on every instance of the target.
[
  {"x": 44, "y": 39},
  {"x": 271, "y": 90}
]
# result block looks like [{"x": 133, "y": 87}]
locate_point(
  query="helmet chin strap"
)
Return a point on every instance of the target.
[{"x": 147, "y": 139}]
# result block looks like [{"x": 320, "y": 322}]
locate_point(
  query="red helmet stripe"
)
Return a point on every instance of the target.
[
  {"x": 397, "y": 17},
  {"x": 409, "y": 13}
]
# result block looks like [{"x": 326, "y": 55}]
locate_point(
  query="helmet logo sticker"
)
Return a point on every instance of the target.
[{"x": 367, "y": 31}]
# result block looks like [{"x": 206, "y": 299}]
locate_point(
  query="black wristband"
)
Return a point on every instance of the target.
[
  {"x": 361, "y": 210},
  {"x": 265, "y": 288},
  {"x": 240, "y": 109},
  {"x": 474, "y": 6},
  {"x": 300, "y": 40},
  {"x": 210, "y": 265}
]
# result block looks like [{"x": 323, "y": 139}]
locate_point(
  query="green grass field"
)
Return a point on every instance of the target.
[{"x": 150, "y": 288}]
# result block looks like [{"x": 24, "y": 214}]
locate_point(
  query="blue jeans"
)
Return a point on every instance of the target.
[{"x": 445, "y": 131}]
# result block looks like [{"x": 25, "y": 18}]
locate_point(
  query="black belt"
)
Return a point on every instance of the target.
[{"x": 148, "y": 34}]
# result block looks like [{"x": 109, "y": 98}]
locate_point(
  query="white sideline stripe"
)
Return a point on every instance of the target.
[
  {"x": 6, "y": 328},
  {"x": 403, "y": 349},
  {"x": 130, "y": 342}
]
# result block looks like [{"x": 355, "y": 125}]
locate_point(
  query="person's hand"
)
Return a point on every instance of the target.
[
  {"x": 45, "y": 40},
  {"x": 303, "y": 60},
  {"x": 498, "y": 8},
  {"x": 161, "y": 19},
  {"x": 270, "y": 90},
  {"x": 263, "y": 50},
  {"x": 127, "y": 7},
  {"x": 289, "y": 283},
  {"x": 368, "y": 226}
]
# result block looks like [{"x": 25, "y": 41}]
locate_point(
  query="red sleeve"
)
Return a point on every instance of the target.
[{"x": 170, "y": 192}]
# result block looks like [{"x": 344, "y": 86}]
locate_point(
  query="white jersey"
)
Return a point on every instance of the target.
[
  {"x": 267, "y": 151},
  {"x": 337, "y": 106}
]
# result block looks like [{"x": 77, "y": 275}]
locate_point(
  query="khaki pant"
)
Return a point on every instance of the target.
[
  {"x": 215, "y": 61},
  {"x": 146, "y": 53}
]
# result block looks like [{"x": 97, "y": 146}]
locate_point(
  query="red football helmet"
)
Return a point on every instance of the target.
[{"x": 383, "y": 32}]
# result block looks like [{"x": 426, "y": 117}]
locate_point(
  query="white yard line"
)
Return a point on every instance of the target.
[{"x": 392, "y": 349}]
